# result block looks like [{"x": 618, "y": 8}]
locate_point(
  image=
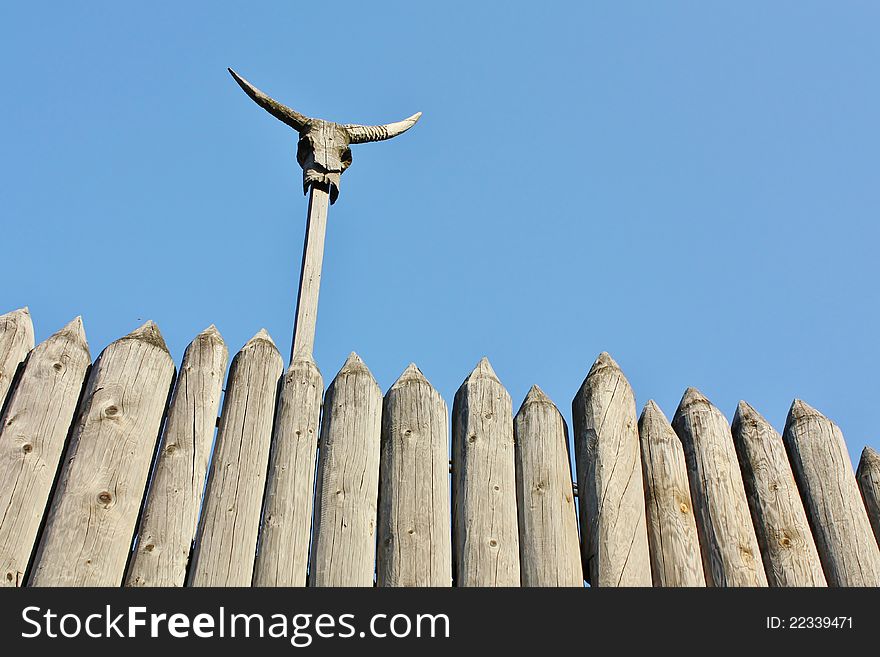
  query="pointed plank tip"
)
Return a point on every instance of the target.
[
  {"x": 260, "y": 336},
  {"x": 74, "y": 330},
  {"x": 870, "y": 457},
  {"x": 604, "y": 360},
  {"x": 800, "y": 408},
  {"x": 411, "y": 374},
  {"x": 354, "y": 364},
  {"x": 651, "y": 409},
  {"x": 483, "y": 368},
  {"x": 147, "y": 332},
  {"x": 536, "y": 396}
]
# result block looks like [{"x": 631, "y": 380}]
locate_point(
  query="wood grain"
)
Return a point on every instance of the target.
[
  {"x": 731, "y": 556},
  {"x": 672, "y": 528},
  {"x": 827, "y": 483},
  {"x": 614, "y": 537},
  {"x": 415, "y": 544},
  {"x": 868, "y": 476},
  {"x": 783, "y": 532},
  {"x": 171, "y": 513},
  {"x": 227, "y": 536},
  {"x": 16, "y": 340},
  {"x": 484, "y": 518},
  {"x": 94, "y": 511},
  {"x": 549, "y": 549},
  {"x": 33, "y": 432},
  {"x": 283, "y": 554},
  {"x": 344, "y": 542}
]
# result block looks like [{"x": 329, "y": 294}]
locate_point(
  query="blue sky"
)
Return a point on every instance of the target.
[{"x": 689, "y": 186}]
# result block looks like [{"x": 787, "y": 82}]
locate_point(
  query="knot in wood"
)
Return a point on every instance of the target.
[{"x": 105, "y": 497}]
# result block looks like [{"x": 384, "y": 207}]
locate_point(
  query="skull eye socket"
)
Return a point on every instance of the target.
[
  {"x": 346, "y": 158},
  {"x": 303, "y": 148}
]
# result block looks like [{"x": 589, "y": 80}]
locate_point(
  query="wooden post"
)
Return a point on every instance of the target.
[
  {"x": 415, "y": 546},
  {"x": 32, "y": 436},
  {"x": 731, "y": 556},
  {"x": 283, "y": 554},
  {"x": 784, "y": 536},
  {"x": 171, "y": 513},
  {"x": 549, "y": 549},
  {"x": 227, "y": 534},
  {"x": 16, "y": 340},
  {"x": 672, "y": 529},
  {"x": 825, "y": 477},
  {"x": 88, "y": 533},
  {"x": 612, "y": 498},
  {"x": 310, "y": 274},
  {"x": 868, "y": 476},
  {"x": 344, "y": 542},
  {"x": 484, "y": 523}
]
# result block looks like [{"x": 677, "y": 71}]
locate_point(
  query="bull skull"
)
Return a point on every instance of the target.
[{"x": 323, "y": 150}]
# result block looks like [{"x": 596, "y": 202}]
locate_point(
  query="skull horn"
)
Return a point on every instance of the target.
[
  {"x": 361, "y": 134},
  {"x": 291, "y": 117}
]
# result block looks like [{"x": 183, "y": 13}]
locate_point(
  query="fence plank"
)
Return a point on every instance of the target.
[
  {"x": 283, "y": 554},
  {"x": 729, "y": 546},
  {"x": 88, "y": 533},
  {"x": 171, "y": 513},
  {"x": 226, "y": 540},
  {"x": 32, "y": 436},
  {"x": 485, "y": 537},
  {"x": 16, "y": 340},
  {"x": 868, "y": 475},
  {"x": 672, "y": 528},
  {"x": 344, "y": 548},
  {"x": 612, "y": 499},
  {"x": 548, "y": 537},
  {"x": 825, "y": 477},
  {"x": 784, "y": 536},
  {"x": 415, "y": 544}
]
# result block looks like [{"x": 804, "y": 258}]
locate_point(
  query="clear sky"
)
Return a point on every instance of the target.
[{"x": 691, "y": 186}]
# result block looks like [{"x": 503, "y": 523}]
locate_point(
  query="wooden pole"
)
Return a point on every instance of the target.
[
  {"x": 283, "y": 554},
  {"x": 825, "y": 477},
  {"x": 784, "y": 536},
  {"x": 88, "y": 533},
  {"x": 310, "y": 274},
  {"x": 484, "y": 522},
  {"x": 227, "y": 537},
  {"x": 415, "y": 546},
  {"x": 614, "y": 538},
  {"x": 672, "y": 529},
  {"x": 171, "y": 513},
  {"x": 548, "y": 537},
  {"x": 16, "y": 340},
  {"x": 32, "y": 436},
  {"x": 344, "y": 542},
  {"x": 731, "y": 556},
  {"x": 868, "y": 475}
]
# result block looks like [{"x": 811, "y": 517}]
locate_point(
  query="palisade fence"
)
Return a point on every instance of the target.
[{"x": 103, "y": 468}]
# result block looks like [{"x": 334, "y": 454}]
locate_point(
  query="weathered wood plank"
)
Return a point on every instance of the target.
[
  {"x": 484, "y": 517},
  {"x": 16, "y": 340},
  {"x": 344, "y": 547},
  {"x": 549, "y": 549},
  {"x": 415, "y": 544},
  {"x": 825, "y": 478},
  {"x": 226, "y": 540},
  {"x": 784, "y": 536},
  {"x": 868, "y": 476},
  {"x": 283, "y": 554},
  {"x": 731, "y": 556},
  {"x": 89, "y": 529},
  {"x": 168, "y": 524},
  {"x": 310, "y": 274},
  {"x": 32, "y": 436},
  {"x": 614, "y": 537},
  {"x": 672, "y": 528}
]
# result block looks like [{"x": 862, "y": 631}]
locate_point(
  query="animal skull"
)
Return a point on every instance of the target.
[{"x": 323, "y": 150}]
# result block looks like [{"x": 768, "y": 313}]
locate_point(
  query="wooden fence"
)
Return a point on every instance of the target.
[{"x": 103, "y": 469}]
